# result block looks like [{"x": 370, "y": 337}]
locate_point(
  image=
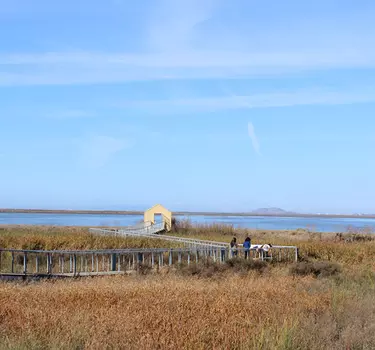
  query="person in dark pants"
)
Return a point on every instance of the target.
[
  {"x": 246, "y": 247},
  {"x": 233, "y": 247}
]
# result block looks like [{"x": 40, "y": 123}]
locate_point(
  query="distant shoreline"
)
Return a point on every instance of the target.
[{"x": 184, "y": 213}]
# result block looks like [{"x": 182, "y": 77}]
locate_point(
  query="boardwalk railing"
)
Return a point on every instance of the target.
[
  {"x": 72, "y": 263},
  {"x": 143, "y": 233},
  {"x": 140, "y": 229}
]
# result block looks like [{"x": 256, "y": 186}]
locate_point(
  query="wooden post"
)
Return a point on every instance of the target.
[
  {"x": 37, "y": 263},
  {"x": 59, "y": 269},
  {"x": 92, "y": 263},
  {"x": 25, "y": 263},
  {"x": 124, "y": 263},
  {"x": 86, "y": 263},
  {"x": 170, "y": 258},
  {"x": 12, "y": 262},
  {"x": 74, "y": 265},
  {"x": 48, "y": 264}
]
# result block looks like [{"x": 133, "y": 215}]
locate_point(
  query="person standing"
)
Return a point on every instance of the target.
[
  {"x": 247, "y": 246},
  {"x": 233, "y": 247},
  {"x": 265, "y": 249}
]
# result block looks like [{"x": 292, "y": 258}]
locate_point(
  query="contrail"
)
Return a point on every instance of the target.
[
  {"x": 251, "y": 129},
  {"x": 254, "y": 138}
]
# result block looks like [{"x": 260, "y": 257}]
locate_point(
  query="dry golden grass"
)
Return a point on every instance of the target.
[
  {"x": 230, "y": 310},
  {"x": 169, "y": 312},
  {"x": 349, "y": 250},
  {"x": 165, "y": 313},
  {"x": 54, "y": 238}
]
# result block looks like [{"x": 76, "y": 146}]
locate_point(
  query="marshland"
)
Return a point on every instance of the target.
[{"x": 325, "y": 301}]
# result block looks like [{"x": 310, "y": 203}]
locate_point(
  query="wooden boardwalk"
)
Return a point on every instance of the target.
[{"x": 74, "y": 263}]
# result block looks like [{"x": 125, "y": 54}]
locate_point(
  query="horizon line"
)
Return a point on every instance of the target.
[{"x": 253, "y": 213}]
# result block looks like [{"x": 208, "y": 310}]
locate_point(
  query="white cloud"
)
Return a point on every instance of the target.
[
  {"x": 184, "y": 40},
  {"x": 97, "y": 150},
  {"x": 254, "y": 138},
  {"x": 197, "y": 59},
  {"x": 267, "y": 100},
  {"x": 95, "y": 68}
]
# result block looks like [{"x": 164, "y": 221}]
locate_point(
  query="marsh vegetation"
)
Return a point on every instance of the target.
[{"x": 326, "y": 301}]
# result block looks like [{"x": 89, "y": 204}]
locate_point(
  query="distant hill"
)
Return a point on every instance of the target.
[{"x": 271, "y": 211}]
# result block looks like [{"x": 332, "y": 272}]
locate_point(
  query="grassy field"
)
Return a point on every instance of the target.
[
  {"x": 327, "y": 301},
  {"x": 53, "y": 238}
]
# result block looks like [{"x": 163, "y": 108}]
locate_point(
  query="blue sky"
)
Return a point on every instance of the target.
[{"x": 226, "y": 105}]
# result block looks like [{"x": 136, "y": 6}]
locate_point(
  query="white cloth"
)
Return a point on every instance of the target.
[{"x": 266, "y": 247}]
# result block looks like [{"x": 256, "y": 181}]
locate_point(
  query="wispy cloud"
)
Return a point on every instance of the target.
[
  {"x": 61, "y": 68},
  {"x": 97, "y": 150},
  {"x": 267, "y": 100},
  {"x": 184, "y": 40},
  {"x": 173, "y": 24},
  {"x": 254, "y": 138}
]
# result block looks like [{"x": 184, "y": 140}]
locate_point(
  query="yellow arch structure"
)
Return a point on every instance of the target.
[{"x": 158, "y": 209}]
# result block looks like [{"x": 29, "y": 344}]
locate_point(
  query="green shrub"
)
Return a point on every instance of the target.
[
  {"x": 238, "y": 265},
  {"x": 210, "y": 269},
  {"x": 206, "y": 269},
  {"x": 318, "y": 268}
]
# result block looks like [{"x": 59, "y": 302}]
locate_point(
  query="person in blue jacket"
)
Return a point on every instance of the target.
[{"x": 247, "y": 246}]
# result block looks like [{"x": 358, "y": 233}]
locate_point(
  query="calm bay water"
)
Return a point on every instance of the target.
[{"x": 266, "y": 223}]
